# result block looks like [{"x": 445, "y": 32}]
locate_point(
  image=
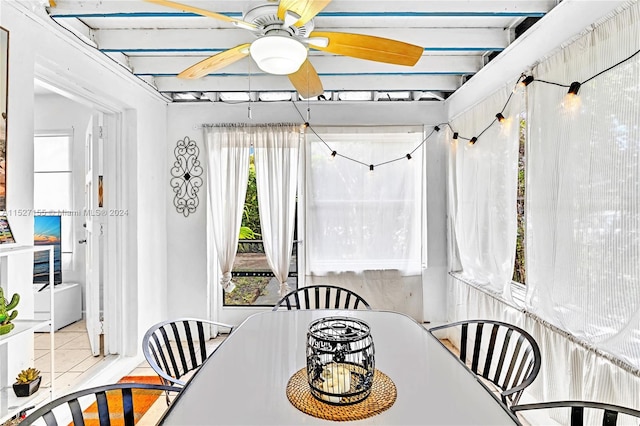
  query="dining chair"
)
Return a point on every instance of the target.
[
  {"x": 610, "y": 412},
  {"x": 322, "y": 297},
  {"x": 504, "y": 355},
  {"x": 114, "y": 403},
  {"x": 174, "y": 348}
]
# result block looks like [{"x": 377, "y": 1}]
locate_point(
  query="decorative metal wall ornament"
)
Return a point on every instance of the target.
[
  {"x": 186, "y": 180},
  {"x": 340, "y": 360}
]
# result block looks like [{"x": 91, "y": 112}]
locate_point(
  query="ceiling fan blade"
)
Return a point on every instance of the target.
[
  {"x": 216, "y": 62},
  {"x": 187, "y": 8},
  {"x": 306, "y": 9},
  {"x": 369, "y": 47},
  {"x": 306, "y": 81}
]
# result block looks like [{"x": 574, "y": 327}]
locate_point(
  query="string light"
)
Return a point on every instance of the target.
[
  {"x": 370, "y": 167},
  {"x": 526, "y": 81},
  {"x": 573, "y": 89},
  {"x": 571, "y": 99}
]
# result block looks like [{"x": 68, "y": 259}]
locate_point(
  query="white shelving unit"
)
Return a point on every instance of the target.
[{"x": 10, "y": 404}]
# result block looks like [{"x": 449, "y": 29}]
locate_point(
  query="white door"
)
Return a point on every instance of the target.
[{"x": 93, "y": 224}]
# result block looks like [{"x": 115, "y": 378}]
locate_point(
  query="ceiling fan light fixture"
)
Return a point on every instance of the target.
[{"x": 276, "y": 54}]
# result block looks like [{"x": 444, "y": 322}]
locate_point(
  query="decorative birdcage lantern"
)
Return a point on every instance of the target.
[{"x": 340, "y": 360}]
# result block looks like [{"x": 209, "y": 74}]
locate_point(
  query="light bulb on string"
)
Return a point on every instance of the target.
[
  {"x": 523, "y": 82},
  {"x": 473, "y": 141},
  {"x": 526, "y": 81},
  {"x": 455, "y": 138},
  {"x": 505, "y": 123},
  {"x": 333, "y": 155},
  {"x": 571, "y": 100}
]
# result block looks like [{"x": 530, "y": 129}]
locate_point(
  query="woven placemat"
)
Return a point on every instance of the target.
[{"x": 383, "y": 395}]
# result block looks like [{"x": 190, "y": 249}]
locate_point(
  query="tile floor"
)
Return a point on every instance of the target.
[{"x": 73, "y": 356}]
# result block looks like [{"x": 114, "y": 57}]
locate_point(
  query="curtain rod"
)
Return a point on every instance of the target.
[{"x": 249, "y": 125}]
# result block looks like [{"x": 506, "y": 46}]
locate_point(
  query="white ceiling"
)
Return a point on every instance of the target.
[{"x": 156, "y": 43}]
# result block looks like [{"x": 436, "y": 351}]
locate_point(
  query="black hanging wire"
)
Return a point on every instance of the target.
[
  {"x": 523, "y": 79},
  {"x": 335, "y": 153}
]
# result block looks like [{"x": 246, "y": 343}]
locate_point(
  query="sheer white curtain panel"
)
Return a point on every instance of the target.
[
  {"x": 583, "y": 190},
  {"x": 227, "y": 151},
  {"x": 357, "y": 219},
  {"x": 276, "y": 149},
  {"x": 483, "y": 181}
]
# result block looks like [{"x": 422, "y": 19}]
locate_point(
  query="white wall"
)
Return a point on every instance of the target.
[
  {"x": 40, "y": 48},
  {"x": 187, "y": 274}
]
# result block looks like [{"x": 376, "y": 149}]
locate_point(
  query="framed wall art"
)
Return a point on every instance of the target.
[{"x": 4, "y": 83}]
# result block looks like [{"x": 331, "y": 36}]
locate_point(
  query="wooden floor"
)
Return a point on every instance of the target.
[{"x": 449, "y": 346}]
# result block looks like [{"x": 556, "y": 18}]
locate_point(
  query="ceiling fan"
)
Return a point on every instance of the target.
[{"x": 284, "y": 33}]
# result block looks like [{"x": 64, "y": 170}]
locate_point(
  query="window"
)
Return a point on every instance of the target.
[
  {"x": 255, "y": 283},
  {"x": 53, "y": 185},
  {"x": 362, "y": 218}
]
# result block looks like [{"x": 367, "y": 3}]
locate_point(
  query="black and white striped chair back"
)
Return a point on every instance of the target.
[
  {"x": 505, "y": 355},
  {"x": 77, "y": 402},
  {"x": 176, "y": 347},
  {"x": 322, "y": 297},
  {"x": 577, "y": 417}
]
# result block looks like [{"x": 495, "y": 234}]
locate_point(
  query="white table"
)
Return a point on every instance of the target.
[{"x": 244, "y": 382}]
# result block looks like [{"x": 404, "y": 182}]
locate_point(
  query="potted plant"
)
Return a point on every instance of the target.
[
  {"x": 27, "y": 382},
  {"x": 5, "y": 316}
]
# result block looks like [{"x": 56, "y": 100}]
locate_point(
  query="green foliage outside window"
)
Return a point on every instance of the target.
[
  {"x": 250, "y": 229},
  {"x": 248, "y": 289},
  {"x": 519, "y": 270}
]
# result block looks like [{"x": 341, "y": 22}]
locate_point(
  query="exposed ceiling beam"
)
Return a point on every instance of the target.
[
  {"x": 151, "y": 39},
  {"x": 156, "y": 65},
  {"x": 459, "y": 7},
  {"x": 260, "y": 83}
]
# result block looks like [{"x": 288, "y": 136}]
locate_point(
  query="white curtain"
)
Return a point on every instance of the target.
[
  {"x": 276, "y": 149},
  {"x": 227, "y": 151},
  {"x": 569, "y": 370},
  {"x": 583, "y": 190},
  {"x": 483, "y": 181},
  {"x": 357, "y": 219}
]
